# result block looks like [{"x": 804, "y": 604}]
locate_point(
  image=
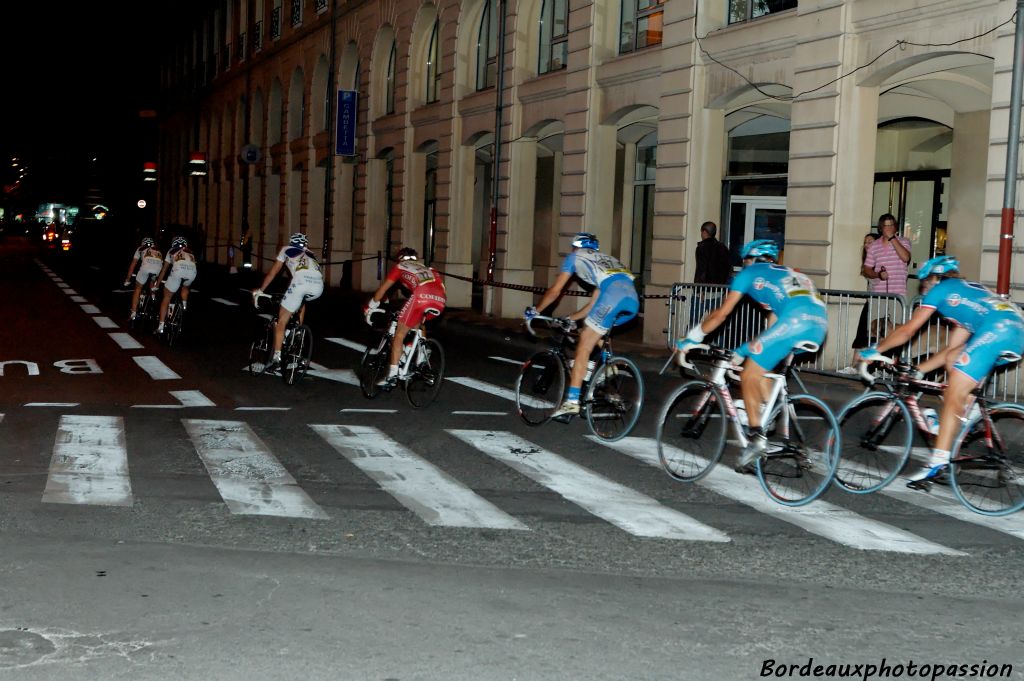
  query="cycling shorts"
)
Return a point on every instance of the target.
[
  {"x": 150, "y": 267},
  {"x": 616, "y": 304},
  {"x": 306, "y": 285},
  {"x": 983, "y": 350},
  {"x": 426, "y": 299},
  {"x": 182, "y": 274},
  {"x": 782, "y": 337}
]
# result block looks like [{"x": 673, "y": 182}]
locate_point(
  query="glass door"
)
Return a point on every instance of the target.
[
  {"x": 756, "y": 217},
  {"x": 919, "y": 202}
]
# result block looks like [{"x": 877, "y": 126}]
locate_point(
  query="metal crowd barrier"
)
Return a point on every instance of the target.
[{"x": 851, "y": 314}]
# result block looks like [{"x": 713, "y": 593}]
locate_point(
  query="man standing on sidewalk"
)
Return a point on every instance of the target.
[
  {"x": 712, "y": 268},
  {"x": 885, "y": 266}
]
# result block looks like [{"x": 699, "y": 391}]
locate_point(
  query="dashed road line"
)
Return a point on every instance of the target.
[
  {"x": 507, "y": 360},
  {"x": 480, "y": 413},
  {"x": 125, "y": 341},
  {"x": 369, "y": 411},
  {"x": 105, "y": 322},
  {"x": 79, "y": 299},
  {"x": 223, "y": 301},
  {"x": 51, "y": 404},
  {"x": 192, "y": 398},
  {"x": 344, "y": 342},
  {"x": 156, "y": 369},
  {"x": 90, "y": 309},
  {"x": 263, "y": 408}
]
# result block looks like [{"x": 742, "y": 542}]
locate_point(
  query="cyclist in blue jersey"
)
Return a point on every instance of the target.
[
  {"x": 613, "y": 303},
  {"x": 797, "y": 321},
  {"x": 989, "y": 331}
]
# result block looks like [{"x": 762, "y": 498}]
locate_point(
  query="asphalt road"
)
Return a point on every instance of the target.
[{"x": 285, "y": 532}]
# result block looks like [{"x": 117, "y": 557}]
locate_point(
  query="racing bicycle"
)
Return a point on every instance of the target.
[
  {"x": 421, "y": 367},
  {"x": 296, "y": 351}
]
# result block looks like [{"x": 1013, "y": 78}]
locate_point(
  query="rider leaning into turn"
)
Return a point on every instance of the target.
[
  {"x": 182, "y": 264},
  {"x": 989, "y": 330},
  {"x": 613, "y": 303},
  {"x": 151, "y": 262},
  {"x": 307, "y": 284},
  {"x": 797, "y": 317},
  {"x": 426, "y": 296}
]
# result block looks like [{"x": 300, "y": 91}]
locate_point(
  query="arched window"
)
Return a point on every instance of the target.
[
  {"x": 554, "y": 35},
  {"x": 487, "y": 47},
  {"x": 433, "y": 66},
  {"x": 389, "y": 85}
]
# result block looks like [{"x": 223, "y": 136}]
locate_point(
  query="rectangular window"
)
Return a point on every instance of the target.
[
  {"x": 641, "y": 24},
  {"x": 296, "y": 13},
  {"x": 554, "y": 36},
  {"x": 275, "y": 21},
  {"x": 745, "y": 10},
  {"x": 320, "y": 5},
  {"x": 257, "y": 36}
]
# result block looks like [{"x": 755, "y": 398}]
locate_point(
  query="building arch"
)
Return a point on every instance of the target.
[
  {"x": 319, "y": 97},
  {"x": 382, "y": 73},
  {"x": 296, "y": 104},
  {"x": 425, "y": 33},
  {"x": 275, "y": 112},
  {"x": 466, "y": 46}
]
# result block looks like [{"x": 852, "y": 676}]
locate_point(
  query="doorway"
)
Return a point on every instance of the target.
[
  {"x": 919, "y": 200},
  {"x": 756, "y": 217}
]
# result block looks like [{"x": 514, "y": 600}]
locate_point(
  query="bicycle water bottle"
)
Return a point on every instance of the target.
[{"x": 931, "y": 417}]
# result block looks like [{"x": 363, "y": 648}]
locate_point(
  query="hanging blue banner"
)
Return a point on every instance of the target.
[{"x": 346, "y": 137}]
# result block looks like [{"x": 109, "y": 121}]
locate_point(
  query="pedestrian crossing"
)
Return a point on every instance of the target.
[{"x": 91, "y": 464}]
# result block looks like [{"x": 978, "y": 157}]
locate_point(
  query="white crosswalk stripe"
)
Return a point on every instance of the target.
[
  {"x": 621, "y": 506},
  {"x": 498, "y": 391},
  {"x": 820, "y": 517},
  {"x": 417, "y": 484},
  {"x": 249, "y": 478},
  {"x": 90, "y": 463}
]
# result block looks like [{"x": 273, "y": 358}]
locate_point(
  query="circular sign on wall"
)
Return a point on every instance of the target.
[
  {"x": 251, "y": 154},
  {"x": 141, "y": 203}
]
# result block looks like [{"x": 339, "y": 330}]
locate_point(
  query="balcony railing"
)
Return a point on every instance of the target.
[
  {"x": 275, "y": 23},
  {"x": 296, "y": 13},
  {"x": 320, "y": 5},
  {"x": 257, "y": 36}
]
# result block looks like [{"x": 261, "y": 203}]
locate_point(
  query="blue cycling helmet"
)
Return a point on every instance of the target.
[
  {"x": 586, "y": 240},
  {"x": 179, "y": 242},
  {"x": 298, "y": 239},
  {"x": 942, "y": 264},
  {"x": 760, "y": 248}
]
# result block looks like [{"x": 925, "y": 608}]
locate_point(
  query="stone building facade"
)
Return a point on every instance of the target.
[{"x": 799, "y": 120}]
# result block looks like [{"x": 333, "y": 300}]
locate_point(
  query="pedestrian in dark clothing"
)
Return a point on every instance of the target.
[{"x": 712, "y": 257}]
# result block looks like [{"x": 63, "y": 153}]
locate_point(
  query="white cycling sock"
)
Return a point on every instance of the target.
[
  {"x": 393, "y": 371},
  {"x": 939, "y": 456},
  {"x": 277, "y": 356}
]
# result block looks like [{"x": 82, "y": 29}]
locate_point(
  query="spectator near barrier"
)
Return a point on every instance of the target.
[
  {"x": 713, "y": 267},
  {"x": 886, "y": 266}
]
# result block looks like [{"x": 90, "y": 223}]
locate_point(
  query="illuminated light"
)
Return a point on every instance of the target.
[
  {"x": 65, "y": 241},
  {"x": 149, "y": 167}
]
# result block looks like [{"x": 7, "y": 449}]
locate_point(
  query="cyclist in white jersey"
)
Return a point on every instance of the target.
[
  {"x": 151, "y": 261},
  {"x": 182, "y": 264},
  {"x": 307, "y": 284}
]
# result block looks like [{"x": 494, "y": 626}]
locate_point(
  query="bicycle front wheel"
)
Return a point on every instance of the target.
[
  {"x": 877, "y": 434},
  {"x": 540, "y": 387},
  {"x": 297, "y": 355},
  {"x": 692, "y": 430},
  {"x": 614, "y": 399},
  {"x": 987, "y": 469},
  {"x": 426, "y": 376},
  {"x": 374, "y": 367},
  {"x": 803, "y": 451}
]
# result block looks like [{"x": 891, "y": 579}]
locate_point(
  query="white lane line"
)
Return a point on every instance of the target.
[
  {"x": 249, "y": 478},
  {"x": 79, "y": 299},
  {"x": 94, "y": 267},
  {"x": 222, "y": 301},
  {"x": 266, "y": 315},
  {"x": 369, "y": 411},
  {"x": 192, "y": 398},
  {"x": 90, "y": 463},
  {"x": 338, "y": 375},
  {"x": 480, "y": 413},
  {"x": 942, "y": 500},
  {"x": 498, "y": 391},
  {"x": 619, "y": 505},
  {"x": 507, "y": 360},
  {"x": 344, "y": 342},
  {"x": 819, "y": 517},
  {"x": 125, "y": 341},
  {"x": 90, "y": 309},
  {"x": 105, "y": 322},
  {"x": 158, "y": 406},
  {"x": 262, "y": 408},
  {"x": 71, "y": 292},
  {"x": 62, "y": 285},
  {"x": 418, "y": 485},
  {"x": 156, "y": 369},
  {"x": 51, "y": 404}
]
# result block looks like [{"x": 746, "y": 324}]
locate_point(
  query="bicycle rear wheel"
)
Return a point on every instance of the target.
[
  {"x": 143, "y": 311},
  {"x": 540, "y": 387},
  {"x": 614, "y": 399},
  {"x": 877, "y": 435},
  {"x": 800, "y": 464},
  {"x": 987, "y": 469},
  {"x": 298, "y": 351},
  {"x": 426, "y": 376},
  {"x": 373, "y": 367},
  {"x": 172, "y": 327},
  {"x": 692, "y": 430},
  {"x": 259, "y": 351}
]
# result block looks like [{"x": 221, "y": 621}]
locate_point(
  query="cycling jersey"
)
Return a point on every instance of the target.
[
  {"x": 412, "y": 274},
  {"x": 426, "y": 291},
  {"x": 152, "y": 261},
  {"x": 594, "y": 267},
  {"x": 996, "y": 324},
  {"x": 183, "y": 268},
  {"x": 794, "y": 300},
  {"x": 307, "y": 279},
  {"x": 299, "y": 260},
  {"x": 617, "y": 301}
]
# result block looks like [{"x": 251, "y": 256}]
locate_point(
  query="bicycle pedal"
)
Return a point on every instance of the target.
[
  {"x": 563, "y": 418},
  {"x": 921, "y": 485}
]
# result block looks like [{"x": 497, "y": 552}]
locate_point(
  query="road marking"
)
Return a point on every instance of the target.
[
  {"x": 62, "y": 284},
  {"x": 94, "y": 267},
  {"x": 358, "y": 347},
  {"x": 79, "y": 299},
  {"x": 222, "y": 301},
  {"x": 90, "y": 309},
  {"x": 90, "y": 463},
  {"x": 339, "y": 375},
  {"x": 125, "y": 341},
  {"x": 619, "y": 505},
  {"x": 105, "y": 322},
  {"x": 51, "y": 404},
  {"x": 192, "y": 398},
  {"x": 506, "y": 360},
  {"x": 71, "y": 292},
  {"x": 262, "y": 408},
  {"x": 249, "y": 478},
  {"x": 369, "y": 411},
  {"x": 156, "y": 369},
  {"x": 418, "y": 485},
  {"x": 480, "y": 413},
  {"x": 498, "y": 391},
  {"x": 819, "y": 517},
  {"x": 265, "y": 315}
]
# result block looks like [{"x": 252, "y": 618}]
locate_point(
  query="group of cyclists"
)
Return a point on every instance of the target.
[{"x": 989, "y": 329}]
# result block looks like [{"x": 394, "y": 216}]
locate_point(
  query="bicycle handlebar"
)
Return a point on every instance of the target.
[
  {"x": 563, "y": 323},
  {"x": 862, "y": 367}
]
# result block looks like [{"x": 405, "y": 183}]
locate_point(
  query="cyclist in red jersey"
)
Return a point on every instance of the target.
[{"x": 426, "y": 297}]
